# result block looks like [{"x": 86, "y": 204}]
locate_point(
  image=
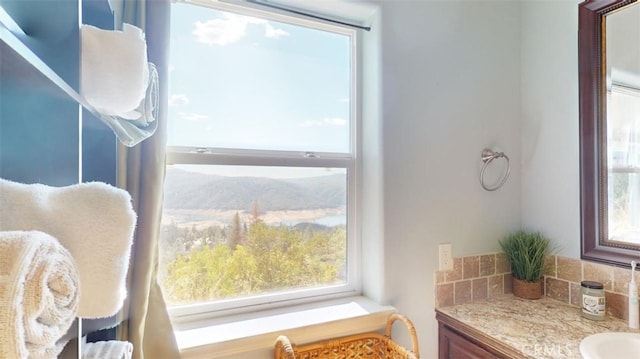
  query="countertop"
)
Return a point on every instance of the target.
[{"x": 522, "y": 328}]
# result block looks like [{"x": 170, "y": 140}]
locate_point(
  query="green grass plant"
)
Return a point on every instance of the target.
[{"x": 526, "y": 252}]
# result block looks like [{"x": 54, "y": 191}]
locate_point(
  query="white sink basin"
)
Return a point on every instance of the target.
[{"x": 618, "y": 345}]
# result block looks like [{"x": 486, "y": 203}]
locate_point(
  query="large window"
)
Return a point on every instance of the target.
[{"x": 260, "y": 190}]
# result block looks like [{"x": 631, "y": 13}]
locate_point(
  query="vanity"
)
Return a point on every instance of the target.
[{"x": 511, "y": 327}]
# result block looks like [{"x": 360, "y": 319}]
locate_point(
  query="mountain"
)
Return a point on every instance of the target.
[{"x": 192, "y": 190}]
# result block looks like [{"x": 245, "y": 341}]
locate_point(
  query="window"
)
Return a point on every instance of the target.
[{"x": 260, "y": 190}]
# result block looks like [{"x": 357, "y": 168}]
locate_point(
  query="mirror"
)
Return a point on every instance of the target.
[{"x": 609, "y": 78}]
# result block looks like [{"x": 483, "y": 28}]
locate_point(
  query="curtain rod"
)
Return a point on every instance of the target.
[{"x": 298, "y": 12}]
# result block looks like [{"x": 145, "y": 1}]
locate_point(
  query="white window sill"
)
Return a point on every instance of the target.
[{"x": 302, "y": 324}]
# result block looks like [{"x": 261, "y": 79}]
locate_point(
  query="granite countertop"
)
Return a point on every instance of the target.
[{"x": 522, "y": 328}]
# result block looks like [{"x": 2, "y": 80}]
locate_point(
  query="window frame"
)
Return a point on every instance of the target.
[{"x": 191, "y": 155}]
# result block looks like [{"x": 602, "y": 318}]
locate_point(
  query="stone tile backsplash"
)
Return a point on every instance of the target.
[
  {"x": 563, "y": 277},
  {"x": 488, "y": 275},
  {"x": 473, "y": 278}
]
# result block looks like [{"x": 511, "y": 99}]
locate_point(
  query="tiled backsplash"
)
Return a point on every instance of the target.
[
  {"x": 563, "y": 277},
  {"x": 482, "y": 276},
  {"x": 473, "y": 278}
]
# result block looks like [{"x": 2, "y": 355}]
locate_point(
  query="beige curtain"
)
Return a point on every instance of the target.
[{"x": 141, "y": 172}]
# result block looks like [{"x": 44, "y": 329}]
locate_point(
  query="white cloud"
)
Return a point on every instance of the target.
[
  {"x": 192, "y": 116},
  {"x": 328, "y": 121},
  {"x": 222, "y": 31},
  {"x": 272, "y": 32},
  {"x": 178, "y": 100},
  {"x": 335, "y": 121},
  {"x": 251, "y": 20},
  {"x": 231, "y": 28}
]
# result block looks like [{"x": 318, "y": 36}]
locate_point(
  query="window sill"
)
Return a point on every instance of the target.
[{"x": 302, "y": 324}]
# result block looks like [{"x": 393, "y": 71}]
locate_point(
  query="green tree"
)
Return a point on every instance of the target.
[
  {"x": 196, "y": 276},
  {"x": 327, "y": 254},
  {"x": 271, "y": 258},
  {"x": 235, "y": 235}
]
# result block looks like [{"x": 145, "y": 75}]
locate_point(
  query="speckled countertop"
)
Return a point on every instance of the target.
[{"x": 521, "y": 328}]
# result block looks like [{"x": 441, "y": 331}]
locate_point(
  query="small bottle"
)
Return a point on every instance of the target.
[
  {"x": 593, "y": 300},
  {"x": 633, "y": 298}
]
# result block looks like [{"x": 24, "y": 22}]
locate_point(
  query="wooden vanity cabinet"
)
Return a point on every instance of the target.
[
  {"x": 454, "y": 345},
  {"x": 457, "y": 340}
]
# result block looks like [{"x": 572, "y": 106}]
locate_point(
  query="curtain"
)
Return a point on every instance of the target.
[{"x": 145, "y": 321}]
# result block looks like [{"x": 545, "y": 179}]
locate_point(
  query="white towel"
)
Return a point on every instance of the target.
[
  {"x": 38, "y": 294},
  {"x": 114, "y": 73},
  {"x": 94, "y": 221},
  {"x": 111, "y": 349},
  {"x": 131, "y": 132},
  {"x": 119, "y": 82}
]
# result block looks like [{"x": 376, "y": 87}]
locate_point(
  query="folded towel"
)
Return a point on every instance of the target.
[
  {"x": 39, "y": 294},
  {"x": 131, "y": 132},
  {"x": 111, "y": 349},
  {"x": 114, "y": 73},
  {"x": 119, "y": 82},
  {"x": 94, "y": 221}
]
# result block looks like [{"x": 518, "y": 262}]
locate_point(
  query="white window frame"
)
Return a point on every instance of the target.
[{"x": 177, "y": 155}]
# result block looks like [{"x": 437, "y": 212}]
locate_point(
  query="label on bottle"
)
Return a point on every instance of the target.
[{"x": 593, "y": 305}]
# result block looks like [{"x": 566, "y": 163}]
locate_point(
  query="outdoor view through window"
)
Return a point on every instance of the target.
[
  {"x": 624, "y": 161},
  {"x": 241, "y": 219}
]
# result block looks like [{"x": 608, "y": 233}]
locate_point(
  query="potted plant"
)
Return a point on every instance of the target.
[{"x": 526, "y": 252}]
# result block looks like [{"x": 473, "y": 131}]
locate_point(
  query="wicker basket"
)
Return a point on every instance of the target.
[{"x": 365, "y": 345}]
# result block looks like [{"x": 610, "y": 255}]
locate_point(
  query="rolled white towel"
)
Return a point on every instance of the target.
[
  {"x": 112, "y": 349},
  {"x": 39, "y": 294},
  {"x": 94, "y": 221}
]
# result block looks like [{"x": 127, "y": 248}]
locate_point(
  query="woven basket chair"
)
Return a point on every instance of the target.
[{"x": 364, "y": 345}]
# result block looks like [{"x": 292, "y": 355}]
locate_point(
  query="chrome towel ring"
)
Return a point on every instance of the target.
[{"x": 487, "y": 156}]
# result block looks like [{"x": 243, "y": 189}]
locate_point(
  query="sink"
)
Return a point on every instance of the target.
[{"x": 619, "y": 345}]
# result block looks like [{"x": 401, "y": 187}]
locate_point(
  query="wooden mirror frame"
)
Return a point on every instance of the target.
[{"x": 593, "y": 144}]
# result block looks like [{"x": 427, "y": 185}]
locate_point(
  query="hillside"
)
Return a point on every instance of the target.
[{"x": 191, "y": 190}]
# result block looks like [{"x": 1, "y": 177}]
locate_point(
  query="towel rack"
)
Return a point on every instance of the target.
[
  {"x": 488, "y": 156},
  {"x": 31, "y": 67}
]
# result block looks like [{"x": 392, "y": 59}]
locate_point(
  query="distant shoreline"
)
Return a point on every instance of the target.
[{"x": 219, "y": 218}]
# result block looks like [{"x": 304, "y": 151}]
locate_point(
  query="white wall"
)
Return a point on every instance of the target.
[
  {"x": 550, "y": 152},
  {"x": 372, "y": 183},
  {"x": 457, "y": 76},
  {"x": 450, "y": 86}
]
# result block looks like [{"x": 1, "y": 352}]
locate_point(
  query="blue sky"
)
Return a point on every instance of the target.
[{"x": 241, "y": 82}]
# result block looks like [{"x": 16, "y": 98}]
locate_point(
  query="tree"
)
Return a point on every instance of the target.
[
  {"x": 195, "y": 276},
  {"x": 255, "y": 211},
  {"x": 235, "y": 233},
  {"x": 268, "y": 259}
]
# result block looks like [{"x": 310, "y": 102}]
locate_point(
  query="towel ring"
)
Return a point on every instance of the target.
[{"x": 488, "y": 156}]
